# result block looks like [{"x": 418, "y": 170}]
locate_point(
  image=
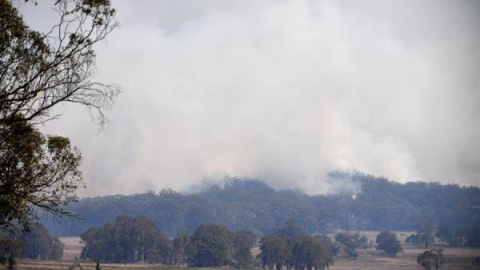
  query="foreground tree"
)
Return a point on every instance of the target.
[
  {"x": 211, "y": 246},
  {"x": 431, "y": 259},
  {"x": 387, "y": 241},
  {"x": 126, "y": 240},
  {"x": 35, "y": 172},
  {"x": 39, "y": 71}
]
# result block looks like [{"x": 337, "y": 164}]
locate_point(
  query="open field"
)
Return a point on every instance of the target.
[
  {"x": 457, "y": 259},
  {"x": 73, "y": 247}
]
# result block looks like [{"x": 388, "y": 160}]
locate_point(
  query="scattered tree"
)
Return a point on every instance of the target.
[
  {"x": 364, "y": 242},
  {"x": 413, "y": 239},
  {"x": 387, "y": 241},
  {"x": 431, "y": 259},
  {"x": 425, "y": 230},
  {"x": 349, "y": 243}
]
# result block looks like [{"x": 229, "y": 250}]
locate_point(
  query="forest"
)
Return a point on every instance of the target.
[{"x": 250, "y": 204}]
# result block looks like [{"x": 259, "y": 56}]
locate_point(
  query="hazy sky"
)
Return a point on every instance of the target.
[{"x": 284, "y": 91}]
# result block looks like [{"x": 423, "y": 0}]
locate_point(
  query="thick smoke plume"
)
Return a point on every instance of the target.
[{"x": 285, "y": 91}]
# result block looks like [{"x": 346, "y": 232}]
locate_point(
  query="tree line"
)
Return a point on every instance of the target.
[
  {"x": 252, "y": 205},
  {"x": 138, "y": 239}
]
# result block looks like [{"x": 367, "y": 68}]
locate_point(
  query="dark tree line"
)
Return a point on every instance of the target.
[
  {"x": 129, "y": 240},
  {"x": 126, "y": 240},
  {"x": 459, "y": 236},
  {"x": 252, "y": 205},
  {"x": 292, "y": 248}
]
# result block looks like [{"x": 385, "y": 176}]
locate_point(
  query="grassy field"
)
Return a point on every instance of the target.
[{"x": 457, "y": 259}]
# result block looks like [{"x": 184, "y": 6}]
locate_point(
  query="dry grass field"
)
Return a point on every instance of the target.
[
  {"x": 73, "y": 248},
  {"x": 457, "y": 259}
]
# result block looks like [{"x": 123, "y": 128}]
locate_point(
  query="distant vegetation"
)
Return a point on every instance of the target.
[
  {"x": 37, "y": 243},
  {"x": 130, "y": 240},
  {"x": 245, "y": 204}
]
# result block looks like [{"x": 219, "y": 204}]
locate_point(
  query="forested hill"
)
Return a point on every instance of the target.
[{"x": 253, "y": 205}]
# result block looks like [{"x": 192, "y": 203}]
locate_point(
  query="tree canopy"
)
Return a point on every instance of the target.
[
  {"x": 211, "y": 246},
  {"x": 126, "y": 240},
  {"x": 431, "y": 259},
  {"x": 39, "y": 71},
  {"x": 290, "y": 246},
  {"x": 387, "y": 241}
]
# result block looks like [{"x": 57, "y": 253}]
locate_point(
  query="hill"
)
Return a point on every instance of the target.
[{"x": 251, "y": 204}]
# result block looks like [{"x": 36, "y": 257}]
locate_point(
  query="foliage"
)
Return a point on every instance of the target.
[
  {"x": 39, "y": 71},
  {"x": 35, "y": 172},
  {"x": 243, "y": 243},
  {"x": 425, "y": 230},
  {"x": 413, "y": 239},
  {"x": 431, "y": 259},
  {"x": 387, "y": 241},
  {"x": 472, "y": 236},
  {"x": 290, "y": 246},
  {"x": 310, "y": 254},
  {"x": 179, "y": 249},
  {"x": 274, "y": 251},
  {"x": 349, "y": 243},
  {"x": 126, "y": 240},
  {"x": 453, "y": 235},
  {"x": 9, "y": 249},
  {"x": 327, "y": 242},
  {"x": 37, "y": 243},
  {"x": 246, "y": 204},
  {"x": 364, "y": 243},
  {"x": 211, "y": 246}
]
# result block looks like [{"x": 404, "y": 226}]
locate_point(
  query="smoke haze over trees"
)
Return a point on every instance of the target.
[
  {"x": 302, "y": 88},
  {"x": 252, "y": 205}
]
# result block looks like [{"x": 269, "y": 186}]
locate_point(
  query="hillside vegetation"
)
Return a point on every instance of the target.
[{"x": 250, "y": 204}]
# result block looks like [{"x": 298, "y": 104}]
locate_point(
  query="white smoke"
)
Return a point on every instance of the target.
[{"x": 285, "y": 91}]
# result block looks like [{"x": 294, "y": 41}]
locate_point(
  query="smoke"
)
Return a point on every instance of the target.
[{"x": 285, "y": 91}]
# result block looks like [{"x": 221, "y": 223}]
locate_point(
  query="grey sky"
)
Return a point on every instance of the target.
[{"x": 284, "y": 91}]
